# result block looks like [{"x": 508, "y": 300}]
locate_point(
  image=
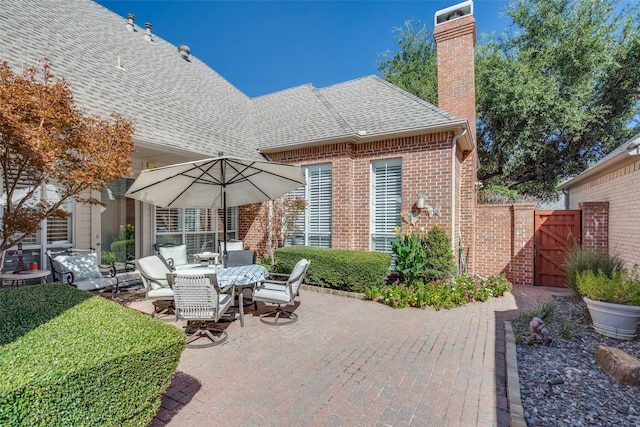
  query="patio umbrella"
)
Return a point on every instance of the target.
[{"x": 218, "y": 182}]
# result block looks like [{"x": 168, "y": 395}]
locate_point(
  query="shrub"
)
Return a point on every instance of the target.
[
  {"x": 439, "y": 262},
  {"x": 423, "y": 257},
  {"x": 578, "y": 260},
  {"x": 123, "y": 249},
  {"x": 70, "y": 358},
  {"x": 107, "y": 257},
  {"x": 342, "y": 269},
  {"x": 618, "y": 287}
]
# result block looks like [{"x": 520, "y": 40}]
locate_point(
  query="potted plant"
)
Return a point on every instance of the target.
[{"x": 613, "y": 301}]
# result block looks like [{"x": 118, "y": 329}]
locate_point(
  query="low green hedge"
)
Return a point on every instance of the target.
[
  {"x": 71, "y": 358},
  {"x": 342, "y": 269},
  {"x": 124, "y": 249}
]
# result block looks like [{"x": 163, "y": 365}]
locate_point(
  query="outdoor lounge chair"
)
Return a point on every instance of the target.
[
  {"x": 153, "y": 270},
  {"x": 174, "y": 255},
  {"x": 80, "y": 268},
  {"x": 281, "y": 293},
  {"x": 198, "y": 300}
]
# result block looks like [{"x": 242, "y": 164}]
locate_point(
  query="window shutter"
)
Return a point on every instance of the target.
[{"x": 386, "y": 203}]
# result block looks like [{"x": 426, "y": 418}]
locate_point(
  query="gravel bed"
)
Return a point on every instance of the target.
[{"x": 561, "y": 384}]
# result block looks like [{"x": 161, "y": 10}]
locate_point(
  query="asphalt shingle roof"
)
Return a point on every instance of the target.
[{"x": 186, "y": 104}]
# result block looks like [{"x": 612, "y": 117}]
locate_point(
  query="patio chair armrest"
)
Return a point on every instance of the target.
[
  {"x": 108, "y": 269},
  {"x": 68, "y": 277},
  {"x": 275, "y": 282}
]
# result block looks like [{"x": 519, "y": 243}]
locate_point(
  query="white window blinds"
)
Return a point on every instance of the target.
[
  {"x": 386, "y": 202},
  {"x": 313, "y": 227}
]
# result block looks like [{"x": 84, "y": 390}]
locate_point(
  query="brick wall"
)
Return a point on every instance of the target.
[
  {"x": 426, "y": 168},
  {"x": 619, "y": 188},
  {"x": 595, "y": 226},
  {"x": 505, "y": 242}
]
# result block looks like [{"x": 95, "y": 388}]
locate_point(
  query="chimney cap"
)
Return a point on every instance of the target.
[
  {"x": 453, "y": 12},
  {"x": 184, "y": 51}
]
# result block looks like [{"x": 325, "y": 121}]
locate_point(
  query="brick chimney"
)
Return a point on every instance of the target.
[{"x": 455, "y": 36}]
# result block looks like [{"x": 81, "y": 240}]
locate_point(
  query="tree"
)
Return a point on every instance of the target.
[
  {"x": 414, "y": 67},
  {"x": 47, "y": 142},
  {"x": 557, "y": 93}
]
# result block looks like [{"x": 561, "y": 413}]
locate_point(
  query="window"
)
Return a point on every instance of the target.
[
  {"x": 386, "y": 203},
  {"x": 200, "y": 229},
  {"x": 313, "y": 227}
]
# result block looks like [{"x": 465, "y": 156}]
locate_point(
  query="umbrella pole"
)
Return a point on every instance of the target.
[{"x": 225, "y": 254}]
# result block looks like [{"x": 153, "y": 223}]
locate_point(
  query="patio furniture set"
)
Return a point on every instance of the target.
[{"x": 202, "y": 294}]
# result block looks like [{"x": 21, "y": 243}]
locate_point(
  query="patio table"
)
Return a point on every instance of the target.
[{"x": 238, "y": 277}]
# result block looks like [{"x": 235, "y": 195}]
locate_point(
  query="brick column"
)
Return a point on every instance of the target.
[
  {"x": 522, "y": 258},
  {"x": 595, "y": 226}
]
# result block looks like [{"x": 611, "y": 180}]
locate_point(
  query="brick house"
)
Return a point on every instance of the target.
[
  {"x": 368, "y": 148},
  {"x": 608, "y": 189}
]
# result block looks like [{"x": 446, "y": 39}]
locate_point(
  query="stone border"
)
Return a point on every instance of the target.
[
  {"x": 516, "y": 412},
  {"x": 312, "y": 288}
]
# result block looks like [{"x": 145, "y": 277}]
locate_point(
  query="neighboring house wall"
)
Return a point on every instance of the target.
[{"x": 620, "y": 187}]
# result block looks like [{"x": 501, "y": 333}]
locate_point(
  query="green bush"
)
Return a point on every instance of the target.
[
  {"x": 439, "y": 262},
  {"x": 423, "y": 257},
  {"x": 123, "y": 249},
  {"x": 70, "y": 358},
  {"x": 617, "y": 287},
  {"x": 107, "y": 257},
  {"x": 341, "y": 269},
  {"x": 578, "y": 260}
]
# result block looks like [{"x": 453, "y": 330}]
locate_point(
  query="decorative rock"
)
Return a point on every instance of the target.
[{"x": 622, "y": 367}]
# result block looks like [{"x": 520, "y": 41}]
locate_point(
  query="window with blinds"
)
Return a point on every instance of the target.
[
  {"x": 313, "y": 227},
  {"x": 386, "y": 203}
]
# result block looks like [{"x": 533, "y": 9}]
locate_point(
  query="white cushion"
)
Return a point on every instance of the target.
[
  {"x": 177, "y": 253},
  {"x": 82, "y": 266}
]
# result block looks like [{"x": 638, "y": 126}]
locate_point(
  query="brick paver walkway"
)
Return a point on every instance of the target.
[{"x": 348, "y": 362}]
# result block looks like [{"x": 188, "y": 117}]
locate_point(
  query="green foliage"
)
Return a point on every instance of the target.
[
  {"x": 441, "y": 294},
  {"x": 497, "y": 194},
  {"x": 342, "y": 269},
  {"x": 423, "y": 257},
  {"x": 414, "y": 67},
  {"x": 70, "y": 358},
  {"x": 439, "y": 262},
  {"x": 619, "y": 287},
  {"x": 123, "y": 249},
  {"x": 127, "y": 232},
  {"x": 553, "y": 95},
  {"x": 578, "y": 260},
  {"x": 556, "y": 93},
  {"x": 107, "y": 257}
]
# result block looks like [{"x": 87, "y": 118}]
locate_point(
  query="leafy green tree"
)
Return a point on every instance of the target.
[
  {"x": 554, "y": 94},
  {"x": 414, "y": 67},
  {"x": 558, "y": 93}
]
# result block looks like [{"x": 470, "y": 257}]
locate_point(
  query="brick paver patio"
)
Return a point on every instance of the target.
[{"x": 348, "y": 362}]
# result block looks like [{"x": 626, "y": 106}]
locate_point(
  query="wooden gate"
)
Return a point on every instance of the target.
[{"x": 555, "y": 232}]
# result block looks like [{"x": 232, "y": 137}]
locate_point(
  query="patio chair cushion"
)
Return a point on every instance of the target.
[
  {"x": 83, "y": 267},
  {"x": 177, "y": 253}
]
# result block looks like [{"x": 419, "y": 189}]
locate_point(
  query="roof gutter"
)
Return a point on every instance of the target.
[
  {"x": 633, "y": 149},
  {"x": 358, "y": 138}
]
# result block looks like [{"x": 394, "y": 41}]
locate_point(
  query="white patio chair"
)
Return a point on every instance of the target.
[
  {"x": 153, "y": 270},
  {"x": 281, "y": 293},
  {"x": 175, "y": 255},
  {"x": 198, "y": 300}
]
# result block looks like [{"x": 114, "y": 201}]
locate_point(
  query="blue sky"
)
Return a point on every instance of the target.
[{"x": 267, "y": 46}]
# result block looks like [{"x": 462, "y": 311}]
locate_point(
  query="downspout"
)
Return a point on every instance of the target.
[{"x": 453, "y": 187}]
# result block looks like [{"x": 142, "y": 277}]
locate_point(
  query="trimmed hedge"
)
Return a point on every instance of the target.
[
  {"x": 124, "y": 249},
  {"x": 71, "y": 358},
  {"x": 342, "y": 269}
]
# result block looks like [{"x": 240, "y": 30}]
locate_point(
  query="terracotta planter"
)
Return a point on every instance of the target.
[{"x": 614, "y": 320}]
